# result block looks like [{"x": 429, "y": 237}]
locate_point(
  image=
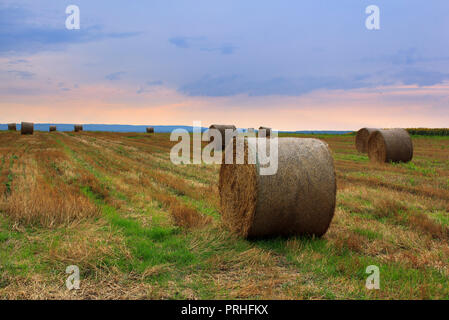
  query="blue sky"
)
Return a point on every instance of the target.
[{"x": 227, "y": 60}]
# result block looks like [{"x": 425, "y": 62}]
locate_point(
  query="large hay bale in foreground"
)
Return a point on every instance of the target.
[
  {"x": 222, "y": 129},
  {"x": 52, "y": 128},
  {"x": 393, "y": 145},
  {"x": 299, "y": 199},
  {"x": 78, "y": 127},
  {"x": 150, "y": 130},
  {"x": 26, "y": 128},
  {"x": 361, "y": 139},
  {"x": 264, "y": 132},
  {"x": 12, "y": 127}
]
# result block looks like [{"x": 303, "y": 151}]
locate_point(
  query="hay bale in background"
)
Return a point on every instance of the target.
[
  {"x": 78, "y": 127},
  {"x": 150, "y": 130},
  {"x": 12, "y": 127},
  {"x": 264, "y": 132},
  {"x": 361, "y": 139},
  {"x": 26, "y": 128},
  {"x": 393, "y": 145},
  {"x": 298, "y": 200},
  {"x": 52, "y": 128},
  {"x": 222, "y": 129}
]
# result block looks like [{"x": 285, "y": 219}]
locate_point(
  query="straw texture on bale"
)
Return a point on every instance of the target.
[
  {"x": 299, "y": 199},
  {"x": 78, "y": 127},
  {"x": 222, "y": 129},
  {"x": 27, "y": 128},
  {"x": 264, "y": 132},
  {"x": 150, "y": 130},
  {"x": 52, "y": 128},
  {"x": 393, "y": 145},
  {"x": 12, "y": 127},
  {"x": 361, "y": 139}
]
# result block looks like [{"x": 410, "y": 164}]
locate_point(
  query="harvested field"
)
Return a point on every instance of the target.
[{"x": 138, "y": 226}]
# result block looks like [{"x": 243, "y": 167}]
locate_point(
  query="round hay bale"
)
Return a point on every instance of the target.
[
  {"x": 52, "y": 128},
  {"x": 150, "y": 130},
  {"x": 264, "y": 132},
  {"x": 78, "y": 127},
  {"x": 222, "y": 129},
  {"x": 361, "y": 139},
  {"x": 26, "y": 128},
  {"x": 299, "y": 199},
  {"x": 12, "y": 127},
  {"x": 393, "y": 145},
  {"x": 251, "y": 132}
]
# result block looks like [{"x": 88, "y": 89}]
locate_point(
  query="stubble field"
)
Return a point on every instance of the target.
[{"x": 140, "y": 227}]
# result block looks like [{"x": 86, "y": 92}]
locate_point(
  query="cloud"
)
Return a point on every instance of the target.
[
  {"x": 225, "y": 49},
  {"x": 235, "y": 84},
  {"x": 421, "y": 77},
  {"x": 180, "y": 42},
  {"x": 22, "y": 74},
  {"x": 406, "y": 57},
  {"x": 154, "y": 83},
  {"x": 19, "y": 91},
  {"x": 115, "y": 76},
  {"x": 19, "y": 35},
  {"x": 147, "y": 87},
  {"x": 17, "y": 61},
  {"x": 202, "y": 44}
]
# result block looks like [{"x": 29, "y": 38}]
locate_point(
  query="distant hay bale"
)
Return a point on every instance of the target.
[
  {"x": 222, "y": 129},
  {"x": 393, "y": 145},
  {"x": 150, "y": 130},
  {"x": 264, "y": 132},
  {"x": 52, "y": 128},
  {"x": 361, "y": 139},
  {"x": 78, "y": 127},
  {"x": 251, "y": 132},
  {"x": 27, "y": 128},
  {"x": 12, "y": 127},
  {"x": 299, "y": 199}
]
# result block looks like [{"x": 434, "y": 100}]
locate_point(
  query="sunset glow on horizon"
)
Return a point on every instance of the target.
[{"x": 288, "y": 67}]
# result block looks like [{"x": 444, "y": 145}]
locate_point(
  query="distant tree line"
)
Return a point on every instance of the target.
[{"x": 429, "y": 132}]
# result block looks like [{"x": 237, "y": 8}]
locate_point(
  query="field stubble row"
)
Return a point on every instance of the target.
[{"x": 141, "y": 227}]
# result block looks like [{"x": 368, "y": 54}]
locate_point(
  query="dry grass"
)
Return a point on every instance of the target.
[
  {"x": 41, "y": 204},
  {"x": 87, "y": 245},
  {"x": 140, "y": 227},
  {"x": 188, "y": 218},
  {"x": 36, "y": 191},
  {"x": 425, "y": 224},
  {"x": 108, "y": 286}
]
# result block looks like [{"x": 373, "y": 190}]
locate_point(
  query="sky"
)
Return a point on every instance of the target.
[{"x": 289, "y": 65}]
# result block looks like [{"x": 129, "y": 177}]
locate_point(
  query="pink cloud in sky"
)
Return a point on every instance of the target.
[{"x": 394, "y": 106}]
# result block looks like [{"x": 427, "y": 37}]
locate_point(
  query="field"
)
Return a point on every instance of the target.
[{"x": 140, "y": 227}]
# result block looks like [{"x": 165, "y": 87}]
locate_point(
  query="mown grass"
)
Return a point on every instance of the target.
[{"x": 153, "y": 229}]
